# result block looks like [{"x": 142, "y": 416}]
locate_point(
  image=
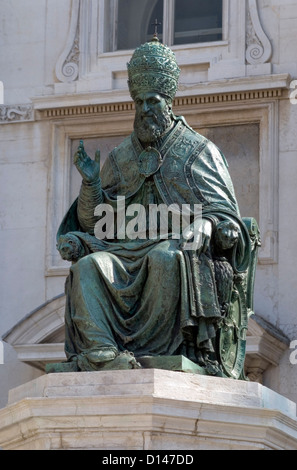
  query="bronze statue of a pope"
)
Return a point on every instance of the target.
[{"x": 130, "y": 295}]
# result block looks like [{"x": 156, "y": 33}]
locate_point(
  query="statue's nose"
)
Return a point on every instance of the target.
[{"x": 145, "y": 107}]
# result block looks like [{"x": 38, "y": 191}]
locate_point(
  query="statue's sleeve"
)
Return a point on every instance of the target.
[
  {"x": 211, "y": 177},
  {"x": 90, "y": 196},
  {"x": 110, "y": 176}
]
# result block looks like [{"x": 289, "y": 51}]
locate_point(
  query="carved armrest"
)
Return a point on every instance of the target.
[{"x": 70, "y": 247}]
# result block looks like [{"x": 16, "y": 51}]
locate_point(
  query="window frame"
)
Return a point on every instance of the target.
[
  {"x": 211, "y": 60},
  {"x": 110, "y": 14}
]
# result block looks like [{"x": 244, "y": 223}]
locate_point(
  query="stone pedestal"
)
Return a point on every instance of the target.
[{"x": 146, "y": 409}]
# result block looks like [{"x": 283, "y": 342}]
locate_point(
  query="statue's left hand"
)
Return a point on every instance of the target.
[{"x": 88, "y": 168}]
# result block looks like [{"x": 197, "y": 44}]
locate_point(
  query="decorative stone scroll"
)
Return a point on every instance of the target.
[
  {"x": 67, "y": 67},
  {"x": 16, "y": 113},
  {"x": 259, "y": 48}
]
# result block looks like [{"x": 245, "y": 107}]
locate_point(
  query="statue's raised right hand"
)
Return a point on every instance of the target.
[{"x": 88, "y": 168}]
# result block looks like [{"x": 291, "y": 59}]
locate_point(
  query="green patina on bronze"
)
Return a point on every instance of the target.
[
  {"x": 151, "y": 303},
  {"x": 153, "y": 68}
]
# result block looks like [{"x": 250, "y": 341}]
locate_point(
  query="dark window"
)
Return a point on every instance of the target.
[
  {"x": 197, "y": 21},
  {"x": 187, "y": 21},
  {"x": 134, "y": 22}
]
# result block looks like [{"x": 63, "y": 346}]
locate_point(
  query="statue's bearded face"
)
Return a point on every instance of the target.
[{"x": 153, "y": 117}]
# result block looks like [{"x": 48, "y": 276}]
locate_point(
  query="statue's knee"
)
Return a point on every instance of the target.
[
  {"x": 82, "y": 265},
  {"x": 162, "y": 259}
]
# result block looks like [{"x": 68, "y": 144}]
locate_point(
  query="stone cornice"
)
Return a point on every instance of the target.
[
  {"x": 221, "y": 91},
  {"x": 90, "y": 109}
]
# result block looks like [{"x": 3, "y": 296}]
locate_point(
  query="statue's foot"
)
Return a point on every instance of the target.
[
  {"x": 124, "y": 361},
  {"x": 107, "y": 359},
  {"x": 211, "y": 366},
  {"x": 93, "y": 360},
  {"x": 102, "y": 355}
]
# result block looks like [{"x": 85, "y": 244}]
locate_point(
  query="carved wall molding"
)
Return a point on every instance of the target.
[
  {"x": 223, "y": 98},
  {"x": 67, "y": 67},
  {"x": 29, "y": 112},
  {"x": 77, "y": 111},
  {"x": 259, "y": 49},
  {"x": 16, "y": 113}
]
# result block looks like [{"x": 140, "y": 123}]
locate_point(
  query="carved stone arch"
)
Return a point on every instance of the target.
[{"x": 39, "y": 337}]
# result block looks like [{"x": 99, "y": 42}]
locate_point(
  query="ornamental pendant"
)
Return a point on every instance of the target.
[{"x": 150, "y": 161}]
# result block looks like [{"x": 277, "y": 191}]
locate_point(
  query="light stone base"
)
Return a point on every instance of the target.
[{"x": 146, "y": 409}]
